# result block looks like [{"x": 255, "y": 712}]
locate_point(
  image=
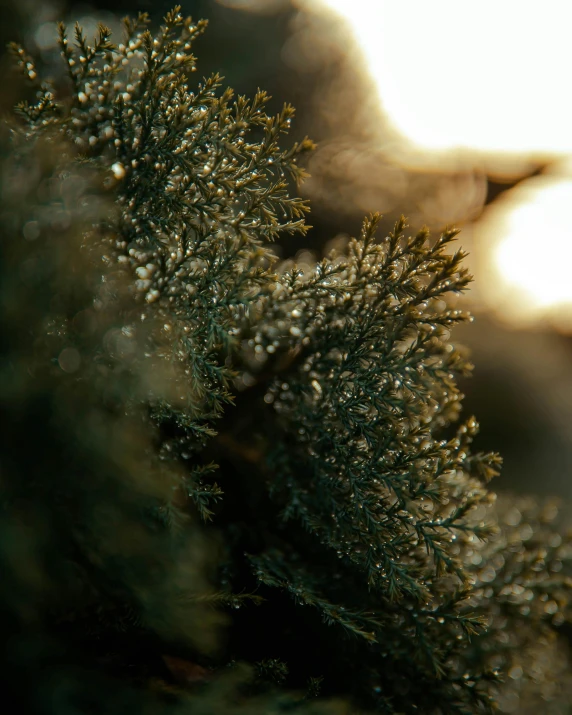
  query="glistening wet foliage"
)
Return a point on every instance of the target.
[{"x": 235, "y": 484}]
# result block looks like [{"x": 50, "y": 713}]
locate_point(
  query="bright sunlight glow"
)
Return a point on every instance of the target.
[
  {"x": 487, "y": 75},
  {"x": 485, "y": 78},
  {"x": 527, "y": 238}
]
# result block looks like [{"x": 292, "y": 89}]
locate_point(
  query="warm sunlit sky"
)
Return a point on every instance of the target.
[
  {"x": 488, "y": 75},
  {"x": 489, "y": 81}
]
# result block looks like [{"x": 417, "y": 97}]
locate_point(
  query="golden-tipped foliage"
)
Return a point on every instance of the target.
[{"x": 359, "y": 550}]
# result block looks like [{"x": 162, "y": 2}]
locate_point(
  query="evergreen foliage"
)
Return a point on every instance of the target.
[{"x": 199, "y": 441}]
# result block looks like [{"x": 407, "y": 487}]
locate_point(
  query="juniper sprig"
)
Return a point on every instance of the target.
[{"x": 237, "y": 444}]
